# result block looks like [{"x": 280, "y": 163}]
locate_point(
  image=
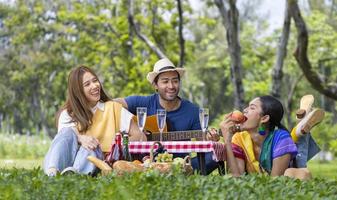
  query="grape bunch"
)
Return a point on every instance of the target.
[{"x": 164, "y": 157}]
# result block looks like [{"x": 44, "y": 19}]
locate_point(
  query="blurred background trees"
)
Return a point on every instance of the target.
[{"x": 41, "y": 40}]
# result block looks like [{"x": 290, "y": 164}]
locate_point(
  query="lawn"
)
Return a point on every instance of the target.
[
  {"x": 323, "y": 169},
  {"x": 24, "y": 179},
  {"x": 33, "y": 184},
  {"x": 318, "y": 169}
]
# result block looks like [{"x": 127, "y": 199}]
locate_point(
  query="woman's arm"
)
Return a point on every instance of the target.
[
  {"x": 280, "y": 164},
  {"x": 236, "y": 165},
  {"x": 65, "y": 121}
]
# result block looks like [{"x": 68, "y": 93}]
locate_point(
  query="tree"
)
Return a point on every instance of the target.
[
  {"x": 277, "y": 73},
  {"x": 230, "y": 19},
  {"x": 328, "y": 89}
]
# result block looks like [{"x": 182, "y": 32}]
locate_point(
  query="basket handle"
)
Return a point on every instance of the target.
[
  {"x": 152, "y": 148},
  {"x": 187, "y": 160}
]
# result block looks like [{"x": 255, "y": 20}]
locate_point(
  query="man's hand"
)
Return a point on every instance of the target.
[
  {"x": 88, "y": 142},
  {"x": 212, "y": 135}
]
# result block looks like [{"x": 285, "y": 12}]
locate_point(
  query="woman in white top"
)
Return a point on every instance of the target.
[{"x": 87, "y": 124}]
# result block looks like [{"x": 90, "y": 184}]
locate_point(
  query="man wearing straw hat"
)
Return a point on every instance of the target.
[{"x": 182, "y": 115}]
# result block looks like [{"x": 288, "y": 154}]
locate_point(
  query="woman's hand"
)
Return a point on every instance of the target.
[
  {"x": 88, "y": 142},
  {"x": 212, "y": 135},
  {"x": 228, "y": 128}
]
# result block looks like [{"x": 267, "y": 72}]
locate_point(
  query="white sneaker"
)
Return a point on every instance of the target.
[
  {"x": 51, "y": 172},
  {"x": 69, "y": 171}
]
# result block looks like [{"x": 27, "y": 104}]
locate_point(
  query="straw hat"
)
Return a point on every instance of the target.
[{"x": 163, "y": 65}]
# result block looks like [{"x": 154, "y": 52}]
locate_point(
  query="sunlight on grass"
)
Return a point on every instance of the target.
[
  {"x": 20, "y": 163},
  {"x": 323, "y": 169}
]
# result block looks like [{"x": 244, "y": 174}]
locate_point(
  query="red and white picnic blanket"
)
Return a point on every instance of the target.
[{"x": 218, "y": 149}]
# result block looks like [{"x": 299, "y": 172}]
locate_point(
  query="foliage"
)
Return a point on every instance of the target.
[
  {"x": 325, "y": 134},
  {"x": 43, "y": 40},
  {"x": 32, "y": 184},
  {"x": 46, "y": 40}
]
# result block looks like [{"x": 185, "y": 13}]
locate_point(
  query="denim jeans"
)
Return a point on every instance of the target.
[
  {"x": 307, "y": 148},
  {"x": 210, "y": 164},
  {"x": 66, "y": 152}
]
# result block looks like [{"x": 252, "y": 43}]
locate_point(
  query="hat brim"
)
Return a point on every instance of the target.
[{"x": 152, "y": 75}]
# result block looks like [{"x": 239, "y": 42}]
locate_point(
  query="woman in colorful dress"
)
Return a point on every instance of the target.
[{"x": 261, "y": 144}]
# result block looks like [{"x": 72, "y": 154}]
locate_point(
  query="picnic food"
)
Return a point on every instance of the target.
[
  {"x": 164, "y": 157},
  {"x": 238, "y": 117},
  {"x": 137, "y": 162},
  {"x": 104, "y": 167},
  {"x": 122, "y": 166},
  {"x": 178, "y": 161}
]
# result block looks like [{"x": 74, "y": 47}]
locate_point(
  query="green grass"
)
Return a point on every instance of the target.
[
  {"x": 323, "y": 169},
  {"x": 24, "y": 179},
  {"x": 319, "y": 170},
  {"x": 33, "y": 184},
  {"x": 14, "y": 146},
  {"x": 21, "y": 163}
]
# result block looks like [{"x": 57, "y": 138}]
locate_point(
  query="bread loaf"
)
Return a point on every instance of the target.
[
  {"x": 161, "y": 167},
  {"x": 122, "y": 166}
]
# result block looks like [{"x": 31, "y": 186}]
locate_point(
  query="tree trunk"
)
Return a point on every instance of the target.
[
  {"x": 328, "y": 89},
  {"x": 181, "y": 36},
  {"x": 277, "y": 73},
  {"x": 130, "y": 41},
  {"x": 327, "y": 103},
  {"x": 289, "y": 105},
  {"x": 141, "y": 36},
  {"x": 1, "y": 122},
  {"x": 230, "y": 19}
]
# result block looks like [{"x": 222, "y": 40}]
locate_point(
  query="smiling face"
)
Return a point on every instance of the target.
[
  {"x": 168, "y": 85},
  {"x": 254, "y": 115},
  {"x": 91, "y": 88}
]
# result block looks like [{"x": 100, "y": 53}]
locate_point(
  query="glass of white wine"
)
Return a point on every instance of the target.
[
  {"x": 141, "y": 118},
  {"x": 161, "y": 121},
  {"x": 203, "y": 118}
]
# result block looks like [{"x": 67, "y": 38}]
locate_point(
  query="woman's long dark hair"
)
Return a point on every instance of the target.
[
  {"x": 273, "y": 107},
  {"x": 77, "y": 104}
]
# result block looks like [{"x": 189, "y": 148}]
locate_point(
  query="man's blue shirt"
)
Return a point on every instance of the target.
[{"x": 186, "y": 117}]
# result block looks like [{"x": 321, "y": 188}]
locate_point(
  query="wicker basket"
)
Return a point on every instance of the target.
[{"x": 166, "y": 167}]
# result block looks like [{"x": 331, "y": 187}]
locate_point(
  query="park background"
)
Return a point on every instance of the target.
[{"x": 232, "y": 50}]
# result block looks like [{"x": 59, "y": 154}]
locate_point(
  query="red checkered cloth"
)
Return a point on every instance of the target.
[{"x": 218, "y": 149}]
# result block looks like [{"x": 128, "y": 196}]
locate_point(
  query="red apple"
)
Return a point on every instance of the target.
[{"x": 238, "y": 117}]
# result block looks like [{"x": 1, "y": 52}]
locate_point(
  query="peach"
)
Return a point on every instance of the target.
[{"x": 238, "y": 117}]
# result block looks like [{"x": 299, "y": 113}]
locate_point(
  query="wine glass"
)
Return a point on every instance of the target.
[
  {"x": 203, "y": 118},
  {"x": 141, "y": 118},
  {"x": 161, "y": 121}
]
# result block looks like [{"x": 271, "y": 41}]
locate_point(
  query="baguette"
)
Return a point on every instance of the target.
[{"x": 104, "y": 167}]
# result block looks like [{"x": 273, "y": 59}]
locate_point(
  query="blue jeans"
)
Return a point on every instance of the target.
[
  {"x": 210, "y": 164},
  {"x": 66, "y": 152},
  {"x": 307, "y": 148}
]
